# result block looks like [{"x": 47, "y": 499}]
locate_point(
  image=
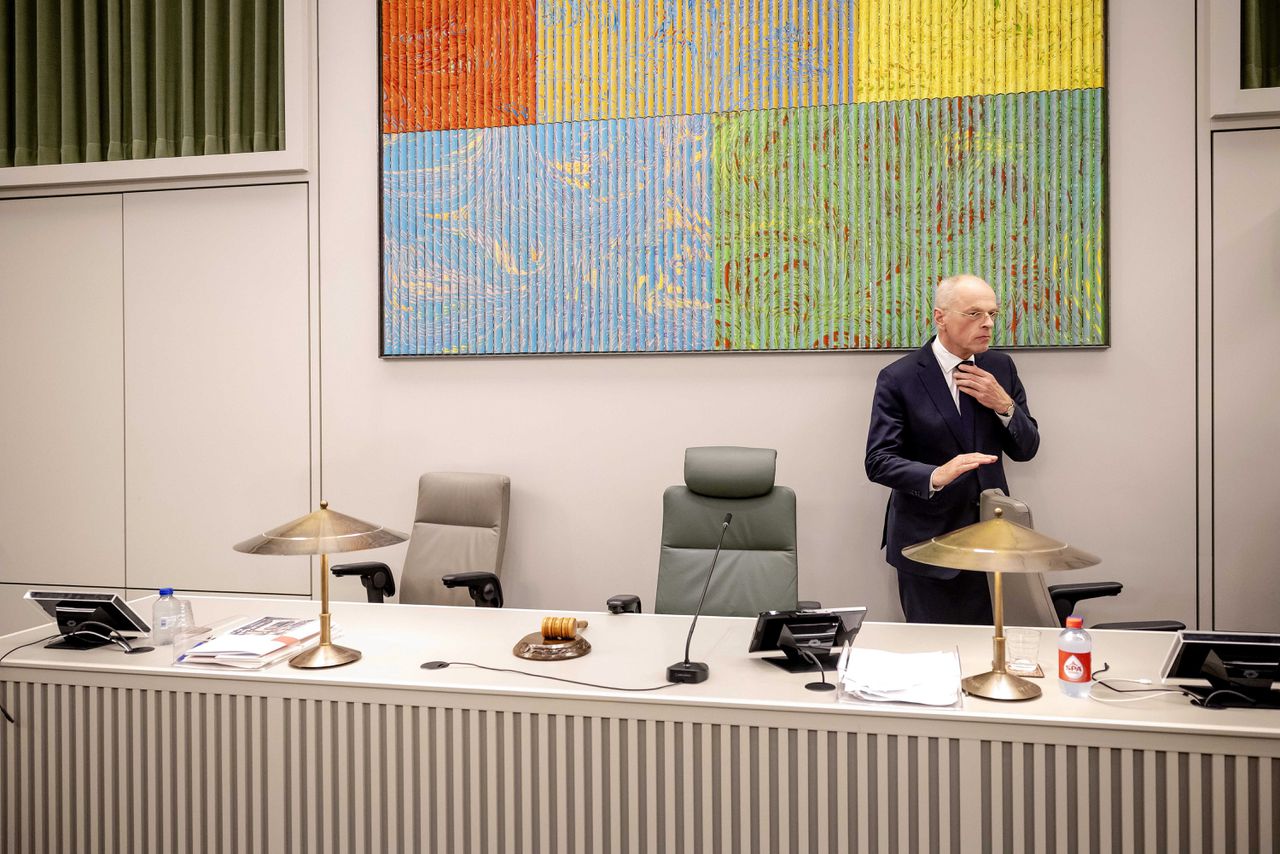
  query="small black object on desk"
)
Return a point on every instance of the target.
[
  {"x": 1240, "y": 668},
  {"x": 89, "y": 619},
  {"x": 808, "y": 639}
]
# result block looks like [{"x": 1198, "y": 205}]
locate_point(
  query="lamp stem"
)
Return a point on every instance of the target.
[
  {"x": 997, "y": 642},
  {"x": 325, "y": 639}
]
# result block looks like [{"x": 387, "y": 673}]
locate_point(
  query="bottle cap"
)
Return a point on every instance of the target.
[
  {"x": 166, "y": 591},
  {"x": 1075, "y": 623}
]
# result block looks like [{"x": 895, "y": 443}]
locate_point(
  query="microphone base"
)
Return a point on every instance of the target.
[{"x": 688, "y": 672}]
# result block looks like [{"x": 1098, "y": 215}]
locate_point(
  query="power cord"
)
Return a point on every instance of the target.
[
  {"x": 3, "y": 710},
  {"x": 440, "y": 665},
  {"x": 1147, "y": 693},
  {"x": 1110, "y": 685}
]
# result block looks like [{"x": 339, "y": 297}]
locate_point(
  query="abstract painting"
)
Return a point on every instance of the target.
[{"x": 633, "y": 176}]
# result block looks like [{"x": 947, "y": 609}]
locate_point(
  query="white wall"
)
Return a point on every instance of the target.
[{"x": 590, "y": 442}]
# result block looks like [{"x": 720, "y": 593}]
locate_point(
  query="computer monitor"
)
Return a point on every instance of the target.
[
  {"x": 821, "y": 633},
  {"x": 88, "y": 619},
  {"x": 1226, "y": 669}
]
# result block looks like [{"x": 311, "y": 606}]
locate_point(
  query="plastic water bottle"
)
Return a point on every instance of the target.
[
  {"x": 167, "y": 616},
  {"x": 1075, "y": 659}
]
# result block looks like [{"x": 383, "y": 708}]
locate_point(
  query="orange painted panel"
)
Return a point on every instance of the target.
[{"x": 457, "y": 64}]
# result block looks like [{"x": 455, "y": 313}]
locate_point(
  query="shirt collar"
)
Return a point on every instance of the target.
[{"x": 946, "y": 359}]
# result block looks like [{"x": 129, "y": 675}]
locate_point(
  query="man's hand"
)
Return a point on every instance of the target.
[
  {"x": 982, "y": 387},
  {"x": 958, "y": 465}
]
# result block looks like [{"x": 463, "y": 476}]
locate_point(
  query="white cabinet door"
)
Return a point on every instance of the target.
[
  {"x": 217, "y": 399},
  {"x": 61, "y": 392},
  {"x": 1246, "y": 379}
]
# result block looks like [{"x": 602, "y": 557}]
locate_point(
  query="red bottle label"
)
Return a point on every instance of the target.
[{"x": 1075, "y": 666}]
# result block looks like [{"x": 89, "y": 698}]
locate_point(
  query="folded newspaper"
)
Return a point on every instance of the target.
[
  {"x": 253, "y": 643},
  {"x": 922, "y": 678}
]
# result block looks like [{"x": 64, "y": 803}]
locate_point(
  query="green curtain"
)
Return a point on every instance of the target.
[
  {"x": 1259, "y": 44},
  {"x": 91, "y": 80}
]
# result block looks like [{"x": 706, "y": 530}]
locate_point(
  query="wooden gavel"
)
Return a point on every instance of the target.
[{"x": 561, "y": 628}]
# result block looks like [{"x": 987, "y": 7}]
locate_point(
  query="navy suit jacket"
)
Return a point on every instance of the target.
[{"x": 915, "y": 428}]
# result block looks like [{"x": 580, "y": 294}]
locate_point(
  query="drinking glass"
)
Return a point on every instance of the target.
[{"x": 1022, "y": 650}]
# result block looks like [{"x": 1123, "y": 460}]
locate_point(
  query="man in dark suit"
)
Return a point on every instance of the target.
[{"x": 942, "y": 418}]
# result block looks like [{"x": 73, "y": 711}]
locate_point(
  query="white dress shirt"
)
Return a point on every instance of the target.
[{"x": 947, "y": 361}]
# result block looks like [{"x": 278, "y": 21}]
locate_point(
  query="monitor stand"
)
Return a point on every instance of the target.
[
  {"x": 799, "y": 665},
  {"x": 78, "y": 642},
  {"x": 1233, "y": 697}
]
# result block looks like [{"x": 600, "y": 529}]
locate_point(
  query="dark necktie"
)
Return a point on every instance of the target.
[{"x": 966, "y": 412}]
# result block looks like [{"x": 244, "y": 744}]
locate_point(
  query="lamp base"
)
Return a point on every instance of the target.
[
  {"x": 325, "y": 655},
  {"x": 1000, "y": 686}
]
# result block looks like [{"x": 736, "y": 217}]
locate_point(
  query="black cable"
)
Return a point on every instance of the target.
[
  {"x": 814, "y": 660},
  {"x": 1152, "y": 690},
  {"x": 1208, "y": 702},
  {"x": 439, "y": 665},
  {"x": 3, "y": 710},
  {"x": 118, "y": 641}
]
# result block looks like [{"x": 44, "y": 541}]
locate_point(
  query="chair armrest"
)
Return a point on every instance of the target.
[
  {"x": 1144, "y": 626},
  {"x": 376, "y": 578},
  {"x": 1066, "y": 596},
  {"x": 808, "y": 605},
  {"x": 624, "y": 603},
  {"x": 484, "y": 587}
]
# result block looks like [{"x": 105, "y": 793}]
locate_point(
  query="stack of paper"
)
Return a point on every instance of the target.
[
  {"x": 254, "y": 643},
  {"x": 924, "y": 678}
]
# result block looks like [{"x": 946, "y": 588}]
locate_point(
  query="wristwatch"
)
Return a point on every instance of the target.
[{"x": 1008, "y": 413}]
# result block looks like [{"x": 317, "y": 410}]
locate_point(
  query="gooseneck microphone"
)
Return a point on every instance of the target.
[{"x": 696, "y": 671}]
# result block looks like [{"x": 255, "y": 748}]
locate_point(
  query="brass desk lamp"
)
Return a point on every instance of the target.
[
  {"x": 999, "y": 546},
  {"x": 320, "y": 533}
]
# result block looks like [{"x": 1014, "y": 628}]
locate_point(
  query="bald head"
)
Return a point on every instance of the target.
[
  {"x": 955, "y": 289},
  {"x": 964, "y": 309}
]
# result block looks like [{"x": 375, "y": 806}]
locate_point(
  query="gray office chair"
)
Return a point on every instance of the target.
[
  {"x": 458, "y": 539},
  {"x": 1030, "y": 601},
  {"x": 756, "y": 570}
]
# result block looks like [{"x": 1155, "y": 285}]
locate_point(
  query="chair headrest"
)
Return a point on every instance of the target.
[
  {"x": 463, "y": 498},
  {"x": 730, "y": 472}
]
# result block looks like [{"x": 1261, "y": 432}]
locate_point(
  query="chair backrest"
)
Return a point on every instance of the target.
[
  {"x": 1026, "y": 594},
  {"x": 460, "y": 526},
  {"x": 757, "y": 566}
]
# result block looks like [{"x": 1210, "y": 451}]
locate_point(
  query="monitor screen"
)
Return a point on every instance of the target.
[
  {"x": 824, "y": 630},
  {"x": 1245, "y": 657},
  {"x": 1222, "y": 670},
  {"x": 72, "y": 610}
]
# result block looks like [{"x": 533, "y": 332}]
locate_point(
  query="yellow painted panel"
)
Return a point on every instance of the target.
[
  {"x": 608, "y": 59},
  {"x": 943, "y": 48}
]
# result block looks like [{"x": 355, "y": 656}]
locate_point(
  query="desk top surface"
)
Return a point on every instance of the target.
[{"x": 633, "y": 651}]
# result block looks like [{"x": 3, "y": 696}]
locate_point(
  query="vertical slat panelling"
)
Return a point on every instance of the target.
[
  {"x": 970, "y": 801},
  {"x": 1218, "y": 802},
  {"x": 98, "y": 768},
  {"x": 1268, "y": 801},
  {"x": 487, "y": 787},
  {"x": 65, "y": 755},
  {"x": 947, "y": 782},
  {"x": 1150, "y": 805},
  {"x": 10, "y": 817}
]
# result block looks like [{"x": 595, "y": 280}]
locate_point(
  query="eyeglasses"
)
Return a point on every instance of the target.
[{"x": 977, "y": 314}]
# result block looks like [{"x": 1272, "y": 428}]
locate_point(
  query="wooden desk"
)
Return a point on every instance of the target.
[{"x": 126, "y": 753}]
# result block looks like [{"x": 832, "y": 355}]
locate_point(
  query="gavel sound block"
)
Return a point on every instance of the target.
[{"x": 558, "y": 639}]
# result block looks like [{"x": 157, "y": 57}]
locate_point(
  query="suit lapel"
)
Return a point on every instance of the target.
[{"x": 930, "y": 373}]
